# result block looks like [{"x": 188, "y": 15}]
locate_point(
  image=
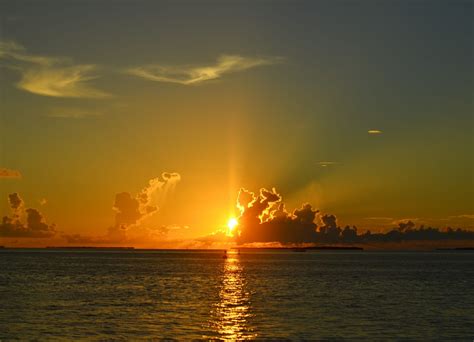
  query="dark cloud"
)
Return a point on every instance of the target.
[
  {"x": 264, "y": 219},
  {"x": 34, "y": 225},
  {"x": 129, "y": 209},
  {"x": 130, "y": 213},
  {"x": 15, "y": 201}
]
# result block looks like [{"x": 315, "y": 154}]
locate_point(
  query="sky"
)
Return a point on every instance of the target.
[{"x": 152, "y": 115}]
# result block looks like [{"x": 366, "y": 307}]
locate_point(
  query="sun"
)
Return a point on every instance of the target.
[{"x": 231, "y": 224}]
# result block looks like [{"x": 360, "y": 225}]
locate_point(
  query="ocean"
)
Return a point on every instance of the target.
[{"x": 278, "y": 295}]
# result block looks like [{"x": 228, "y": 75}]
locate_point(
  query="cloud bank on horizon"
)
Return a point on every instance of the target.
[{"x": 264, "y": 219}]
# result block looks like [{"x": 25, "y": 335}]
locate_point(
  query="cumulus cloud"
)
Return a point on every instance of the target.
[
  {"x": 131, "y": 211},
  {"x": 24, "y": 223},
  {"x": 50, "y": 76},
  {"x": 188, "y": 75},
  {"x": 374, "y": 131},
  {"x": 171, "y": 176},
  {"x": 264, "y": 219},
  {"x": 15, "y": 201},
  {"x": 8, "y": 173}
]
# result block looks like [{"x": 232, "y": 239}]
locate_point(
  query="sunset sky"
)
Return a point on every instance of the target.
[{"x": 362, "y": 108}]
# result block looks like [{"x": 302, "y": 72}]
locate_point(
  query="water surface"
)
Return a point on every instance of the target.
[{"x": 123, "y": 295}]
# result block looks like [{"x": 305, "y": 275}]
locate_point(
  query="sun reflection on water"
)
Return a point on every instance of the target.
[{"x": 230, "y": 315}]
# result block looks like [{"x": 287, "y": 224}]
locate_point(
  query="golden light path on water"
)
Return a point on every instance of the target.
[{"x": 230, "y": 315}]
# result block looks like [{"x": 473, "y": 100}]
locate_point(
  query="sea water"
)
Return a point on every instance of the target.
[{"x": 183, "y": 295}]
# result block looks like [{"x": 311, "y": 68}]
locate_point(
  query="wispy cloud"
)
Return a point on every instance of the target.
[
  {"x": 374, "y": 131},
  {"x": 8, "y": 173},
  {"x": 327, "y": 163},
  {"x": 188, "y": 75},
  {"x": 405, "y": 220},
  {"x": 57, "y": 81},
  {"x": 50, "y": 76},
  {"x": 465, "y": 216}
]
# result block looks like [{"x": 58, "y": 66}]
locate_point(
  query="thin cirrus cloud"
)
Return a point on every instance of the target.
[
  {"x": 327, "y": 163},
  {"x": 463, "y": 216},
  {"x": 8, "y": 173},
  {"x": 50, "y": 76},
  {"x": 190, "y": 75}
]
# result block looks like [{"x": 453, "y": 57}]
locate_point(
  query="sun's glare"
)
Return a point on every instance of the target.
[{"x": 231, "y": 224}]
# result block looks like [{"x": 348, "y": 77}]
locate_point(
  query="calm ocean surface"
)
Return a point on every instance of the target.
[{"x": 143, "y": 295}]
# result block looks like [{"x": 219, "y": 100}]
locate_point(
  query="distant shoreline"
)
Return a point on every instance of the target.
[
  {"x": 243, "y": 248},
  {"x": 298, "y": 249}
]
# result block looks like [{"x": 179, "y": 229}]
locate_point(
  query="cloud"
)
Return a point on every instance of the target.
[
  {"x": 188, "y": 75},
  {"x": 171, "y": 176},
  {"x": 327, "y": 163},
  {"x": 131, "y": 214},
  {"x": 131, "y": 210},
  {"x": 33, "y": 226},
  {"x": 402, "y": 220},
  {"x": 60, "y": 81},
  {"x": 264, "y": 219},
  {"x": 374, "y": 131},
  {"x": 15, "y": 201},
  {"x": 465, "y": 216},
  {"x": 50, "y": 76},
  {"x": 8, "y": 173}
]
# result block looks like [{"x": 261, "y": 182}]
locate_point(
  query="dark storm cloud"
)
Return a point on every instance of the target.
[
  {"x": 24, "y": 223},
  {"x": 264, "y": 219}
]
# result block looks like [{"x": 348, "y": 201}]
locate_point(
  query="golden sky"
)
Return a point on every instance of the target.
[{"x": 139, "y": 123}]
